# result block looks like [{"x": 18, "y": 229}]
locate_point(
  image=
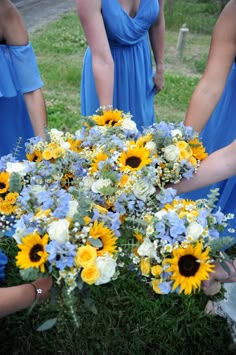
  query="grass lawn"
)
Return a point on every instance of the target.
[{"x": 131, "y": 319}]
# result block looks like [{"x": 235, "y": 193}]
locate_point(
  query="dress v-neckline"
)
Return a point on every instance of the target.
[{"x": 132, "y": 17}]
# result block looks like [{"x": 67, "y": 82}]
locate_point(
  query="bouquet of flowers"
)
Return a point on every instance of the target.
[
  {"x": 176, "y": 246},
  {"x": 77, "y": 196}
]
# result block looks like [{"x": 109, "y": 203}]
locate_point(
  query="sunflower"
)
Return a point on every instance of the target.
[
  {"x": 67, "y": 180},
  {"x": 4, "y": 182},
  {"x": 143, "y": 140},
  {"x": 75, "y": 145},
  {"x": 106, "y": 236},
  {"x": 190, "y": 266},
  {"x": 33, "y": 252},
  {"x": 36, "y": 156},
  {"x": 109, "y": 118},
  {"x": 134, "y": 158},
  {"x": 198, "y": 150},
  {"x": 96, "y": 160}
]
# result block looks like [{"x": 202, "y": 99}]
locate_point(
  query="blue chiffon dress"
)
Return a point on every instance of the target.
[
  {"x": 129, "y": 42},
  {"x": 18, "y": 75},
  {"x": 219, "y": 132}
]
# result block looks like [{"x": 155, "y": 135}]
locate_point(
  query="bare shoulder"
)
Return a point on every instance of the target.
[
  {"x": 12, "y": 26},
  {"x": 87, "y": 8}
]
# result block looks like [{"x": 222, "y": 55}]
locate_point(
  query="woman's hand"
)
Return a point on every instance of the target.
[
  {"x": 159, "y": 80},
  {"x": 43, "y": 284},
  {"x": 219, "y": 276}
]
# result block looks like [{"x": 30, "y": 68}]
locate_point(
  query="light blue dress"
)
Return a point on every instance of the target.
[
  {"x": 130, "y": 48},
  {"x": 219, "y": 132},
  {"x": 18, "y": 75}
]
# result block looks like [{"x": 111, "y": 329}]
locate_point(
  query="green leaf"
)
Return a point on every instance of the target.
[
  {"x": 96, "y": 243},
  {"x": 219, "y": 244},
  {"x": 30, "y": 274},
  {"x": 91, "y": 305},
  {"x": 47, "y": 325},
  {"x": 15, "y": 182}
]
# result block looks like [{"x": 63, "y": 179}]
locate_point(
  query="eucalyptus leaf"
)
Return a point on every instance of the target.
[
  {"x": 47, "y": 325},
  {"x": 30, "y": 274},
  {"x": 80, "y": 284},
  {"x": 15, "y": 182},
  {"x": 96, "y": 243},
  {"x": 91, "y": 305},
  {"x": 84, "y": 204}
]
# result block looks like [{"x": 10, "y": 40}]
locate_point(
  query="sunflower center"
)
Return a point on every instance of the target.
[
  {"x": 188, "y": 265},
  {"x": 134, "y": 162},
  {"x": 34, "y": 257},
  {"x": 2, "y": 185},
  {"x": 110, "y": 121}
]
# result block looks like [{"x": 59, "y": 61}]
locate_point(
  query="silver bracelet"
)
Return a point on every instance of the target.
[{"x": 38, "y": 292}]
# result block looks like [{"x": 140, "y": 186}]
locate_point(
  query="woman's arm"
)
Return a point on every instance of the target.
[
  {"x": 14, "y": 33},
  {"x": 157, "y": 40},
  {"x": 16, "y": 298},
  {"x": 221, "y": 56},
  {"x": 37, "y": 111},
  {"x": 218, "y": 166},
  {"x": 103, "y": 66}
]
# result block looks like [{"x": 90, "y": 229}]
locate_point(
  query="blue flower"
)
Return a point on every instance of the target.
[
  {"x": 61, "y": 255},
  {"x": 3, "y": 262}
]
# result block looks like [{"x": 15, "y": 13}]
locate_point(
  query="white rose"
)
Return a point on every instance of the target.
[
  {"x": 151, "y": 146},
  {"x": 142, "y": 190},
  {"x": 99, "y": 184},
  {"x": 65, "y": 145},
  {"x": 171, "y": 152},
  {"x": 195, "y": 230},
  {"x": 107, "y": 268},
  {"x": 129, "y": 125},
  {"x": 59, "y": 231},
  {"x": 55, "y": 132},
  {"x": 87, "y": 183},
  {"x": 16, "y": 168},
  {"x": 72, "y": 209},
  {"x": 176, "y": 133},
  {"x": 147, "y": 248}
]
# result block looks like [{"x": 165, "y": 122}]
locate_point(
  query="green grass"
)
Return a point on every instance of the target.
[
  {"x": 199, "y": 16},
  {"x": 131, "y": 319}
]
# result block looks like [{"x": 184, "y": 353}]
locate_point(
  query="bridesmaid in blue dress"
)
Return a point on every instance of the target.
[
  {"x": 117, "y": 68},
  {"x": 218, "y": 133},
  {"x": 212, "y": 108},
  {"x": 22, "y": 107}
]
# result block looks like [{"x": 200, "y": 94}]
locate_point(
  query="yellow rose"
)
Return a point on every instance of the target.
[
  {"x": 182, "y": 145},
  {"x": 145, "y": 266},
  {"x": 47, "y": 154},
  {"x": 184, "y": 155},
  {"x": 90, "y": 274},
  {"x": 12, "y": 197},
  {"x": 86, "y": 256},
  {"x": 58, "y": 152},
  {"x": 156, "y": 270}
]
